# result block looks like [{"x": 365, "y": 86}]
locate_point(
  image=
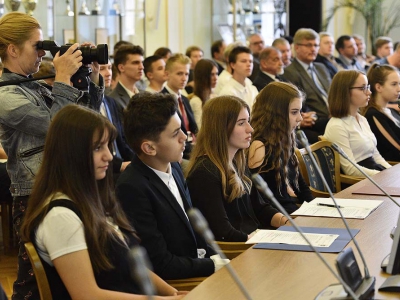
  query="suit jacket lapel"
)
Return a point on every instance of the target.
[{"x": 165, "y": 192}]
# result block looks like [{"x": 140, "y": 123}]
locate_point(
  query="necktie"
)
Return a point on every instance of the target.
[
  {"x": 318, "y": 84},
  {"x": 183, "y": 113}
]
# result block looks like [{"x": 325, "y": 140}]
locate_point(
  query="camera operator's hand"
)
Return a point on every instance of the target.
[
  {"x": 94, "y": 76},
  {"x": 67, "y": 64}
]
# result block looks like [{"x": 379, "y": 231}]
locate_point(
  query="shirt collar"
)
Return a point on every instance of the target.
[
  {"x": 164, "y": 176},
  {"x": 172, "y": 92}
]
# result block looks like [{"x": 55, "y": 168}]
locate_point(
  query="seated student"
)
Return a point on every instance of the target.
[
  {"x": 384, "y": 122},
  {"x": 77, "y": 226},
  {"x": 177, "y": 71},
  {"x": 347, "y": 128},
  {"x": 218, "y": 179},
  {"x": 205, "y": 80},
  {"x": 122, "y": 154},
  {"x": 153, "y": 192},
  {"x": 154, "y": 70},
  {"x": 276, "y": 114}
]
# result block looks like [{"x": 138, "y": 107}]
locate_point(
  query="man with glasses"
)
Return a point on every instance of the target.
[
  {"x": 347, "y": 48},
  {"x": 314, "y": 79},
  {"x": 256, "y": 44}
]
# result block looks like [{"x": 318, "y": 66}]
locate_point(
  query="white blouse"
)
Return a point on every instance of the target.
[{"x": 357, "y": 141}]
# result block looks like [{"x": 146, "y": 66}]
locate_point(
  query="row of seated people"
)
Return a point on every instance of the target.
[{"x": 158, "y": 141}]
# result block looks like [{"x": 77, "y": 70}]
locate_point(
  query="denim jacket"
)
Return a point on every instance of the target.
[{"x": 25, "y": 119}]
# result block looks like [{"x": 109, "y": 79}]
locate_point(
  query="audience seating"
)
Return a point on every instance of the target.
[
  {"x": 329, "y": 162},
  {"x": 40, "y": 274}
]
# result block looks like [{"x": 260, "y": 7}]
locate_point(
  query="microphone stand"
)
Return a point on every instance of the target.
[
  {"x": 140, "y": 270},
  {"x": 345, "y": 156},
  {"x": 369, "y": 281},
  {"x": 201, "y": 226},
  {"x": 262, "y": 186}
]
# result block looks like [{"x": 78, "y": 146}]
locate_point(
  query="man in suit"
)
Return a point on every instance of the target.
[
  {"x": 255, "y": 43},
  {"x": 153, "y": 192},
  {"x": 177, "y": 71},
  {"x": 271, "y": 67},
  {"x": 383, "y": 46},
  {"x": 325, "y": 53},
  {"x": 129, "y": 64},
  {"x": 122, "y": 153},
  {"x": 217, "y": 53},
  {"x": 347, "y": 48},
  {"x": 284, "y": 47},
  {"x": 313, "y": 78}
]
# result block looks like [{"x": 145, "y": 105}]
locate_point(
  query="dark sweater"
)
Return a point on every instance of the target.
[
  {"x": 385, "y": 148},
  {"x": 302, "y": 192},
  {"x": 230, "y": 222}
]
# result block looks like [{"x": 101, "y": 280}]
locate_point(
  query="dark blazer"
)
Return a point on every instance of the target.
[
  {"x": 192, "y": 122},
  {"x": 263, "y": 79},
  {"x": 160, "y": 222},
  {"x": 219, "y": 66},
  {"x": 120, "y": 95},
  {"x": 256, "y": 69},
  {"x": 123, "y": 147},
  {"x": 345, "y": 65},
  {"x": 329, "y": 66},
  {"x": 296, "y": 74}
]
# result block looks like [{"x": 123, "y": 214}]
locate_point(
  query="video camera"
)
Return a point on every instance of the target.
[
  {"x": 80, "y": 79},
  {"x": 99, "y": 53}
]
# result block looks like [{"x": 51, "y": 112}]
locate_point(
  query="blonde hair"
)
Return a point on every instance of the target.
[
  {"x": 218, "y": 121},
  {"x": 15, "y": 28},
  {"x": 177, "y": 58}
]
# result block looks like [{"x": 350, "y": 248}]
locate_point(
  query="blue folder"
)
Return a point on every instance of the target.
[{"x": 338, "y": 245}]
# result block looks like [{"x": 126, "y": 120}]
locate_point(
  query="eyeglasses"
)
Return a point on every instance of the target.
[
  {"x": 309, "y": 45},
  {"x": 364, "y": 88}
]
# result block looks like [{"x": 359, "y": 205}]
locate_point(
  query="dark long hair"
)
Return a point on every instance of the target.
[
  {"x": 202, "y": 79},
  {"x": 68, "y": 168},
  {"x": 270, "y": 120}
]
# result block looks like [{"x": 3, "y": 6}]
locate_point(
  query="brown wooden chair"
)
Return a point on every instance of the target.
[
  {"x": 186, "y": 284},
  {"x": 346, "y": 180},
  {"x": 329, "y": 162},
  {"x": 233, "y": 249},
  {"x": 38, "y": 270}
]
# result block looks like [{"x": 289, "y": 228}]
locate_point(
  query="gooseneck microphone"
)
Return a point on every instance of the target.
[
  {"x": 201, "y": 226},
  {"x": 345, "y": 156},
  {"x": 263, "y": 188},
  {"x": 140, "y": 270},
  {"x": 368, "y": 282}
]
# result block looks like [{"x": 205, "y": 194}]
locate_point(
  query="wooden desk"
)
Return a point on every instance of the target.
[{"x": 277, "y": 274}]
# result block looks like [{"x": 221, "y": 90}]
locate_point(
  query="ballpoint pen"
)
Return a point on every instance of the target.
[{"x": 329, "y": 205}]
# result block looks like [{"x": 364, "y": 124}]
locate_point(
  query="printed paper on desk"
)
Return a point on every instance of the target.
[
  {"x": 351, "y": 208},
  {"x": 292, "y": 238}
]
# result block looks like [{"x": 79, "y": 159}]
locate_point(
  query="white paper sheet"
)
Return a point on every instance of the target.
[
  {"x": 292, "y": 238},
  {"x": 351, "y": 208}
]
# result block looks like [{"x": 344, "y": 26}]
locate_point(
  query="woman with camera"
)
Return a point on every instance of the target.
[{"x": 26, "y": 111}]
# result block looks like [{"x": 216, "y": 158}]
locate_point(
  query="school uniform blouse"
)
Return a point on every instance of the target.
[
  {"x": 357, "y": 141},
  {"x": 385, "y": 148}
]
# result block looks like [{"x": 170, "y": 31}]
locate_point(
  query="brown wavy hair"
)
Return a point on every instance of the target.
[
  {"x": 219, "y": 118},
  {"x": 68, "y": 168},
  {"x": 376, "y": 74},
  {"x": 270, "y": 121}
]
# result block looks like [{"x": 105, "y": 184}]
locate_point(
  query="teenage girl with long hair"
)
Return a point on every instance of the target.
[{"x": 73, "y": 218}]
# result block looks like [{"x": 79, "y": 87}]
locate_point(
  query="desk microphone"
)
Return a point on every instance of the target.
[
  {"x": 367, "y": 284},
  {"x": 344, "y": 155},
  {"x": 140, "y": 270},
  {"x": 263, "y": 188},
  {"x": 201, "y": 226}
]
